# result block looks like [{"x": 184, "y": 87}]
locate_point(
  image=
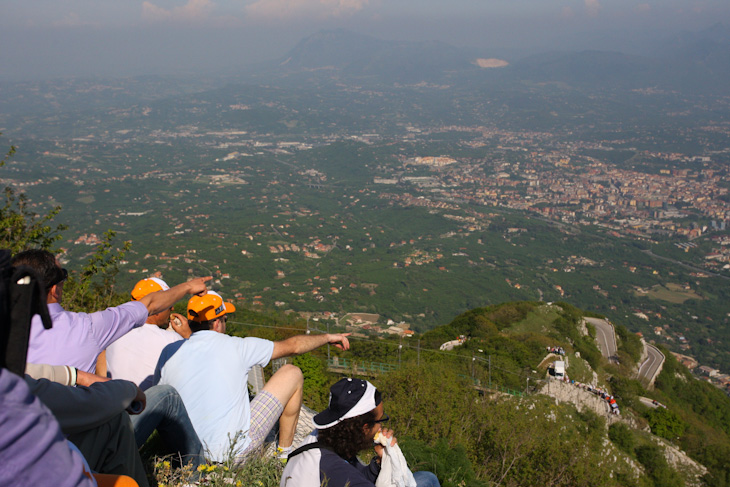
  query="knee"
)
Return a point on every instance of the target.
[
  {"x": 292, "y": 373},
  {"x": 426, "y": 479},
  {"x": 160, "y": 392}
]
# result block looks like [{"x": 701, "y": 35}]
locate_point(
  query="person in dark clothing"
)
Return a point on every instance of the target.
[{"x": 350, "y": 423}]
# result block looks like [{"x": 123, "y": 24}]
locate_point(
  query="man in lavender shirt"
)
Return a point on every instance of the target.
[{"x": 76, "y": 339}]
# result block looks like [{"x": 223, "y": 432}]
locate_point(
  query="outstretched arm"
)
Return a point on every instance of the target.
[
  {"x": 162, "y": 300},
  {"x": 299, "y": 344}
]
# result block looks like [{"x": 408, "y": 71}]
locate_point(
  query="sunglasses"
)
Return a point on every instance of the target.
[
  {"x": 61, "y": 275},
  {"x": 382, "y": 419}
]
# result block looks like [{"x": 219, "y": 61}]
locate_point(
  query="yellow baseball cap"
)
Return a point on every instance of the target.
[
  {"x": 208, "y": 307},
  {"x": 147, "y": 286}
]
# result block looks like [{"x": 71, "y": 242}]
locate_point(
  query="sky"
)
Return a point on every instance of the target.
[{"x": 61, "y": 38}]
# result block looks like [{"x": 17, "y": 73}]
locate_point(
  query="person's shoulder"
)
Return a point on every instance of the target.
[
  {"x": 172, "y": 348},
  {"x": 254, "y": 344},
  {"x": 303, "y": 469},
  {"x": 255, "y": 341},
  {"x": 133, "y": 310},
  {"x": 131, "y": 305},
  {"x": 159, "y": 333},
  {"x": 59, "y": 313}
]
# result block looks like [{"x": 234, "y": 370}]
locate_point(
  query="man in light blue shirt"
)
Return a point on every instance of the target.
[{"x": 210, "y": 371}]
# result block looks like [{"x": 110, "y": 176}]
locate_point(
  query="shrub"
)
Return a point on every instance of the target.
[{"x": 622, "y": 436}]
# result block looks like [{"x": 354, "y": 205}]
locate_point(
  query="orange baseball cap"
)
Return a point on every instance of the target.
[
  {"x": 147, "y": 286},
  {"x": 208, "y": 307}
]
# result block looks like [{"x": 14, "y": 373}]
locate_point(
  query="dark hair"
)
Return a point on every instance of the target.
[
  {"x": 200, "y": 325},
  {"x": 347, "y": 438},
  {"x": 41, "y": 261}
]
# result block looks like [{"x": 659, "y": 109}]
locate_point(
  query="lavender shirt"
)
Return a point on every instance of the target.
[
  {"x": 32, "y": 448},
  {"x": 77, "y": 339}
]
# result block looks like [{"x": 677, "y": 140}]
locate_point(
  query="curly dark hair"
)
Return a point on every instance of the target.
[{"x": 346, "y": 438}]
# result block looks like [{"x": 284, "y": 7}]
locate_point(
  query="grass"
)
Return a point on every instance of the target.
[
  {"x": 259, "y": 469},
  {"x": 579, "y": 370},
  {"x": 672, "y": 293},
  {"x": 539, "y": 321}
]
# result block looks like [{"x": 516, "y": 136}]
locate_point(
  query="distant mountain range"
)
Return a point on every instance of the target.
[{"x": 690, "y": 61}]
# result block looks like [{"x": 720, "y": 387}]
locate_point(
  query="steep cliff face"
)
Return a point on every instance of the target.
[
  {"x": 583, "y": 400},
  {"x": 680, "y": 461}
]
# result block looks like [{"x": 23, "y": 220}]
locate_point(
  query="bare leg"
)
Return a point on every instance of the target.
[{"x": 287, "y": 386}]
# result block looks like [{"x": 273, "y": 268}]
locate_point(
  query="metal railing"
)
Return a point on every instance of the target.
[{"x": 361, "y": 367}]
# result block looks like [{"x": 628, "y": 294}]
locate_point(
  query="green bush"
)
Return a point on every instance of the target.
[
  {"x": 665, "y": 423},
  {"x": 657, "y": 468},
  {"x": 629, "y": 343},
  {"x": 450, "y": 464},
  {"x": 316, "y": 391},
  {"x": 622, "y": 436}
]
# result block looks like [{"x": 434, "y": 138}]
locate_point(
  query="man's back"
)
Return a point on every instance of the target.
[
  {"x": 134, "y": 356},
  {"x": 210, "y": 372}
]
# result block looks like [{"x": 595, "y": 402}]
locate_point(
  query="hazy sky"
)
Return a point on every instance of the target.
[{"x": 46, "y": 38}]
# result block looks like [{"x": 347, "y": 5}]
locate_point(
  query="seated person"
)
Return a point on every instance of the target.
[
  {"x": 210, "y": 371},
  {"x": 94, "y": 420},
  {"x": 77, "y": 339},
  {"x": 95, "y": 416},
  {"x": 133, "y": 357},
  {"x": 32, "y": 447},
  {"x": 349, "y": 424}
]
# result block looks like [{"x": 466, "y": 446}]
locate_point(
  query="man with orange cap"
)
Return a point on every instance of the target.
[
  {"x": 133, "y": 357},
  {"x": 210, "y": 371}
]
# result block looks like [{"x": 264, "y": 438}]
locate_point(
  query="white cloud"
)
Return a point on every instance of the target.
[
  {"x": 642, "y": 7},
  {"x": 194, "y": 10},
  {"x": 320, "y": 9},
  {"x": 592, "y": 7}
]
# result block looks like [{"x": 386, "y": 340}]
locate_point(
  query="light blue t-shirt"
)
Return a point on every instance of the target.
[{"x": 210, "y": 371}]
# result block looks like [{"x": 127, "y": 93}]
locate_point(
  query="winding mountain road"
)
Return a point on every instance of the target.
[
  {"x": 651, "y": 367},
  {"x": 606, "y": 338}
]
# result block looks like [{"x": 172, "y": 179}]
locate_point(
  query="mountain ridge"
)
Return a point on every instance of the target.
[{"x": 695, "y": 61}]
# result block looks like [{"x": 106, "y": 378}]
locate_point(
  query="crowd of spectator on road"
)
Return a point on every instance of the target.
[{"x": 610, "y": 400}]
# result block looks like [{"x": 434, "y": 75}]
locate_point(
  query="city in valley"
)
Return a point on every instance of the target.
[{"x": 406, "y": 205}]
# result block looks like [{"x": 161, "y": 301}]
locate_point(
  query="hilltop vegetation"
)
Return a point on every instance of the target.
[{"x": 477, "y": 438}]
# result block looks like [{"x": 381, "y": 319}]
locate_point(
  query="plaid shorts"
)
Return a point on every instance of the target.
[{"x": 265, "y": 412}]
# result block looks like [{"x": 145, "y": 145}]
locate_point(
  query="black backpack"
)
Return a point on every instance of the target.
[{"x": 21, "y": 297}]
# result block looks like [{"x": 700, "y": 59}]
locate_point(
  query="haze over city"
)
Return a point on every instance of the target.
[{"x": 46, "y": 39}]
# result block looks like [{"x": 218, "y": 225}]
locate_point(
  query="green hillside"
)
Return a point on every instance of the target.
[{"x": 488, "y": 412}]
